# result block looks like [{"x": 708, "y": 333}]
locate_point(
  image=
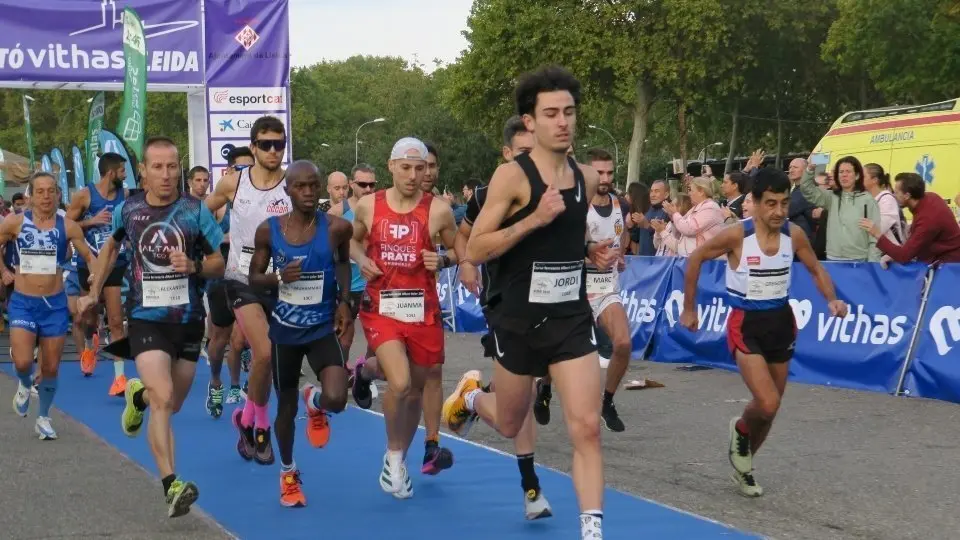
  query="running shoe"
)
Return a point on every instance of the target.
[
  {"x": 246, "y": 446},
  {"x": 455, "y": 412},
  {"x": 88, "y": 362},
  {"x": 21, "y": 400},
  {"x": 214, "y": 401},
  {"x": 180, "y": 497},
  {"x": 235, "y": 395},
  {"x": 535, "y": 505},
  {"x": 362, "y": 394},
  {"x": 318, "y": 427},
  {"x": 747, "y": 485},
  {"x": 44, "y": 429},
  {"x": 740, "y": 456},
  {"x": 132, "y": 419},
  {"x": 263, "y": 453},
  {"x": 119, "y": 386},
  {"x": 394, "y": 478},
  {"x": 611, "y": 418},
  {"x": 541, "y": 404},
  {"x": 436, "y": 459},
  {"x": 291, "y": 494}
]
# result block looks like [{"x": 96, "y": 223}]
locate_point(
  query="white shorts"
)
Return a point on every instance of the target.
[{"x": 601, "y": 302}]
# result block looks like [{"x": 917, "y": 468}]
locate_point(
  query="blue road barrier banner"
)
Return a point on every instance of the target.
[
  {"x": 935, "y": 370},
  {"x": 643, "y": 286},
  {"x": 459, "y": 305}
]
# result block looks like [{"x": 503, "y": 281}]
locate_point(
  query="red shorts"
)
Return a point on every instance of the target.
[{"x": 424, "y": 342}]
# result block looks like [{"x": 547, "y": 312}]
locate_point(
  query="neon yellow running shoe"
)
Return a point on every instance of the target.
[
  {"x": 132, "y": 419},
  {"x": 180, "y": 497}
]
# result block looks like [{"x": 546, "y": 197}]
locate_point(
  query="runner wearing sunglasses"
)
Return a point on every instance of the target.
[{"x": 256, "y": 193}]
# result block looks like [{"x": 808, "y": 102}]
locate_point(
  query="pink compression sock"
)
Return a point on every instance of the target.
[
  {"x": 246, "y": 419},
  {"x": 260, "y": 413}
]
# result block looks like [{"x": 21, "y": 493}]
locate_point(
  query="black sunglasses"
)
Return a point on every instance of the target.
[
  {"x": 266, "y": 144},
  {"x": 366, "y": 185}
]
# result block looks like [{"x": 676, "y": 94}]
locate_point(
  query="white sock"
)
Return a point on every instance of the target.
[
  {"x": 472, "y": 395},
  {"x": 394, "y": 456},
  {"x": 117, "y": 368},
  {"x": 288, "y": 468},
  {"x": 591, "y": 525},
  {"x": 313, "y": 399}
]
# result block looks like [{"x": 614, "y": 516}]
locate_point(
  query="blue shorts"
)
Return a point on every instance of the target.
[
  {"x": 45, "y": 316},
  {"x": 71, "y": 285}
]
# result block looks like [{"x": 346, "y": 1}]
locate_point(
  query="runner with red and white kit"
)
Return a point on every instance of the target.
[{"x": 257, "y": 193}]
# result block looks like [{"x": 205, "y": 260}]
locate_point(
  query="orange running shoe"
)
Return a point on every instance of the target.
[
  {"x": 88, "y": 362},
  {"x": 455, "y": 412},
  {"x": 318, "y": 428},
  {"x": 291, "y": 495},
  {"x": 119, "y": 386}
]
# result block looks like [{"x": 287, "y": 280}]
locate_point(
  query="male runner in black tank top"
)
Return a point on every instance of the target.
[{"x": 534, "y": 224}]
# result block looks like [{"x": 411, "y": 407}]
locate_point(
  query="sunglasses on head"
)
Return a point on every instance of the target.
[
  {"x": 366, "y": 185},
  {"x": 266, "y": 144}
]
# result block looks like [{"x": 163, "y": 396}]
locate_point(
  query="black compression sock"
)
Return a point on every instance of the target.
[
  {"x": 485, "y": 389},
  {"x": 607, "y": 397},
  {"x": 528, "y": 476},
  {"x": 167, "y": 482},
  {"x": 138, "y": 402}
]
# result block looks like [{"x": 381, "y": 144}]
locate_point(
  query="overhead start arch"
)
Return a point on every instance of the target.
[{"x": 231, "y": 58}]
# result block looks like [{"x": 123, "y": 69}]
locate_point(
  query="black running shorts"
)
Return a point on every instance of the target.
[
  {"x": 550, "y": 342},
  {"x": 220, "y": 312},
  {"x": 321, "y": 354},
  {"x": 771, "y": 334},
  {"x": 115, "y": 279},
  {"x": 240, "y": 294},
  {"x": 179, "y": 340}
]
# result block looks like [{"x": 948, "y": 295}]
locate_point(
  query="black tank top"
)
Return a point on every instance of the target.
[{"x": 543, "y": 276}]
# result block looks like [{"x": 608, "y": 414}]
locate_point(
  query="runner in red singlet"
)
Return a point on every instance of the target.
[{"x": 400, "y": 310}]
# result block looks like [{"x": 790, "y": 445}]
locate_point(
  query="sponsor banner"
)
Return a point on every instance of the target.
[
  {"x": 643, "y": 286},
  {"x": 94, "y": 125},
  {"x": 458, "y": 304},
  {"x": 82, "y": 40},
  {"x": 232, "y": 125},
  {"x": 109, "y": 142},
  {"x": 247, "y": 99},
  {"x": 130, "y": 126},
  {"x": 78, "y": 171},
  {"x": 935, "y": 370},
  {"x": 45, "y": 164},
  {"x": 221, "y": 148},
  {"x": 247, "y": 43},
  {"x": 29, "y": 128},
  {"x": 56, "y": 156}
]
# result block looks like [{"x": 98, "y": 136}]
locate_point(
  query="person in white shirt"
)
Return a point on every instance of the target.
[{"x": 892, "y": 224}]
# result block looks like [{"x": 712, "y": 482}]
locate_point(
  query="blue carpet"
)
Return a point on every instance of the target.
[{"x": 479, "y": 498}]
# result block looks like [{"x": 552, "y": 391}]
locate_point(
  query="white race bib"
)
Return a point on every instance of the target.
[
  {"x": 165, "y": 289},
  {"x": 38, "y": 261},
  {"x": 404, "y": 305},
  {"x": 555, "y": 282},
  {"x": 767, "y": 287},
  {"x": 600, "y": 283},
  {"x": 246, "y": 256},
  {"x": 306, "y": 291}
]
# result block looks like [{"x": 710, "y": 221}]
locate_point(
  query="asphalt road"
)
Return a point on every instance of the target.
[{"x": 838, "y": 464}]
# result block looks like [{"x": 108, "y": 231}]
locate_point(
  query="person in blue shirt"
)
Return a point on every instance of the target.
[
  {"x": 311, "y": 250},
  {"x": 165, "y": 307},
  {"x": 38, "y": 305}
]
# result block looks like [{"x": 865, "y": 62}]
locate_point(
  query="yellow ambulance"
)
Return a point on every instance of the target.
[{"x": 924, "y": 139}]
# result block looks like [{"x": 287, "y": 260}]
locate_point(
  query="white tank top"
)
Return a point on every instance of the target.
[
  {"x": 601, "y": 228},
  {"x": 760, "y": 282},
  {"x": 251, "y": 207}
]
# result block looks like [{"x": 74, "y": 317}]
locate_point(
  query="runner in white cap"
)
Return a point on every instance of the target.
[{"x": 400, "y": 309}]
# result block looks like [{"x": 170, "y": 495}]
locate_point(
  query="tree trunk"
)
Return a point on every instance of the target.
[
  {"x": 682, "y": 127},
  {"x": 779, "y": 161},
  {"x": 733, "y": 137},
  {"x": 641, "y": 125}
]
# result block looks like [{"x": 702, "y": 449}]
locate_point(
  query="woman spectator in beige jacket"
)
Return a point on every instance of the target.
[
  {"x": 666, "y": 238},
  {"x": 703, "y": 221}
]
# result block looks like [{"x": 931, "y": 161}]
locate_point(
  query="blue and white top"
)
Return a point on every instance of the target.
[
  {"x": 97, "y": 236},
  {"x": 760, "y": 282},
  {"x": 42, "y": 252},
  {"x": 305, "y": 308},
  {"x": 357, "y": 283}
]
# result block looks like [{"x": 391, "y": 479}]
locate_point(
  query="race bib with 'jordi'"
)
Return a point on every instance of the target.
[{"x": 555, "y": 282}]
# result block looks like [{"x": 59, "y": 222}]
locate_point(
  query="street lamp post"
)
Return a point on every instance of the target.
[
  {"x": 702, "y": 156},
  {"x": 67, "y": 114},
  {"x": 356, "y": 139},
  {"x": 616, "y": 149}
]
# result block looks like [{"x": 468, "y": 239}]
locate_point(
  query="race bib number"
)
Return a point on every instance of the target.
[
  {"x": 555, "y": 282},
  {"x": 38, "y": 261},
  {"x": 307, "y": 291},
  {"x": 404, "y": 305},
  {"x": 246, "y": 257},
  {"x": 164, "y": 289},
  {"x": 768, "y": 284},
  {"x": 600, "y": 283}
]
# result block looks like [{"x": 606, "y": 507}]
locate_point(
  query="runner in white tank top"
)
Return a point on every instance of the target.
[
  {"x": 257, "y": 193},
  {"x": 761, "y": 330}
]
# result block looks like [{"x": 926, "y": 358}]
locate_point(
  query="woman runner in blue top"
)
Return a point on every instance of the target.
[
  {"x": 38, "y": 305},
  {"x": 311, "y": 252}
]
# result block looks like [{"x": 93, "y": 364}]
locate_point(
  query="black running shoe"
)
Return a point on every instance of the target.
[
  {"x": 611, "y": 418},
  {"x": 362, "y": 395},
  {"x": 541, "y": 405},
  {"x": 245, "y": 443},
  {"x": 436, "y": 459},
  {"x": 264, "y": 448}
]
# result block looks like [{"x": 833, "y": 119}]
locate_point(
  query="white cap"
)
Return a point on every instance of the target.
[{"x": 409, "y": 148}]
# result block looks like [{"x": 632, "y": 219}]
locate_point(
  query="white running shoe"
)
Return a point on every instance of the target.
[
  {"x": 44, "y": 429},
  {"x": 536, "y": 506},
  {"x": 394, "y": 478}
]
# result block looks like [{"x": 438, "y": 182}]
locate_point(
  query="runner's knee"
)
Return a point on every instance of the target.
[
  {"x": 622, "y": 345},
  {"x": 767, "y": 406},
  {"x": 584, "y": 427},
  {"x": 335, "y": 398}
]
